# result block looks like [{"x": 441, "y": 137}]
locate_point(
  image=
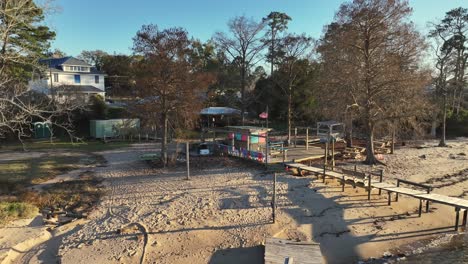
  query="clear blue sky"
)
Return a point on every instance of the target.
[{"x": 110, "y": 25}]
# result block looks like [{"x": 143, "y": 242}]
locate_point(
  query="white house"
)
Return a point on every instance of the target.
[{"x": 68, "y": 77}]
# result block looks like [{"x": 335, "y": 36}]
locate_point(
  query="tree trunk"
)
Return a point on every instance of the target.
[
  {"x": 392, "y": 150},
  {"x": 349, "y": 143},
  {"x": 442, "y": 142},
  {"x": 289, "y": 114},
  {"x": 272, "y": 50},
  {"x": 243, "y": 70},
  {"x": 164, "y": 140},
  {"x": 433, "y": 129},
  {"x": 370, "y": 157}
]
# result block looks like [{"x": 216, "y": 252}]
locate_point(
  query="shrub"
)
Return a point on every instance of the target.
[
  {"x": 457, "y": 125},
  {"x": 16, "y": 210}
]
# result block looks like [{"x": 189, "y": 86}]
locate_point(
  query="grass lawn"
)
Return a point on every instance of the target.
[
  {"x": 25, "y": 171},
  {"x": 16, "y": 210},
  {"x": 36, "y": 170}
]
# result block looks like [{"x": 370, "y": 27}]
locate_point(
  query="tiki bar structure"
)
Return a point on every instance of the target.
[{"x": 267, "y": 146}]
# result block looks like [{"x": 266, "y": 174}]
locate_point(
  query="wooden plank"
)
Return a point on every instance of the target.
[
  {"x": 280, "y": 251},
  {"x": 402, "y": 190},
  {"x": 382, "y": 185},
  {"x": 447, "y": 200}
]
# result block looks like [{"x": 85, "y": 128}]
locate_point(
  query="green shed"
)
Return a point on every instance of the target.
[{"x": 112, "y": 127}]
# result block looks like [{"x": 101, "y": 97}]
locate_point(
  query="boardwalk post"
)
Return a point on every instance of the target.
[
  {"x": 457, "y": 209},
  {"x": 273, "y": 204},
  {"x": 397, "y": 185},
  {"x": 342, "y": 182},
  {"x": 465, "y": 213},
  {"x": 187, "y": 157},
  {"x": 420, "y": 207},
  {"x": 369, "y": 187},
  {"x": 333, "y": 154},
  {"x": 381, "y": 180},
  {"x": 427, "y": 201},
  {"x": 389, "y": 198},
  {"x": 307, "y": 138},
  {"x": 324, "y": 171},
  {"x": 326, "y": 152}
]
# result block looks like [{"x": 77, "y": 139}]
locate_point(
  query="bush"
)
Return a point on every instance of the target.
[
  {"x": 457, "y": 125},
  {"x": 16, "y": 210},
  {"x": 117, "y": 112},
  {"x": 187, "y": 134},
  {"x": 98, "y": 107}
]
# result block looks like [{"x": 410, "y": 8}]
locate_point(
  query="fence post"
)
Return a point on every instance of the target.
[
  {"x": 295, "y": 136},
  {"x": 397, "y": 185},
  {"x": 274, "y": 198},
  {"x": 187, "y": 157},
  {"x": 266, "y": 150},
  {"x": 369, "y": 187},
  {"x": 307, "y": 138},
  {"x": 381, "y": 180}
]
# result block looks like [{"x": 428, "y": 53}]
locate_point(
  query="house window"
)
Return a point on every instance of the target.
[
  {"x": 96, "y": 79},
  {"x": 77, "y": 79},
  {"x": 56, "y": 79}
]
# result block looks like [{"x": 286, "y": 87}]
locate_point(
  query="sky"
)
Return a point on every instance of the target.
[{"x": 110, "y": 25}]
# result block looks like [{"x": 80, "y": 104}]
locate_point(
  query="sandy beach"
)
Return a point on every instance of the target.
[{"x": 223, "y": 213}]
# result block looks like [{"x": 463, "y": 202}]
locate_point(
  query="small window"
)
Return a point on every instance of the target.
[
  {"x": 77, "y": 79},
  {"x": 56, "y": 79},
  {"x": 96, "y": 79}
]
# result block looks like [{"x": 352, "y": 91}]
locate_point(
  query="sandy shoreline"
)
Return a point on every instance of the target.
[{"x": 223, "y": 214}]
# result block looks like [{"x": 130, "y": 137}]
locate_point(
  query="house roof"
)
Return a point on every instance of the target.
[
  {"x": 78, "y": 89},
  {"x": 55, "y": 63}
]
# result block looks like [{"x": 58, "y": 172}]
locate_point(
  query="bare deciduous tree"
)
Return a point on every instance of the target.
[
  {"x": 244, "y": 45},
  {"x": 371, "y": 56},
  {"x": 93, "y": 57},
  {"x": 165, "y": 77}
]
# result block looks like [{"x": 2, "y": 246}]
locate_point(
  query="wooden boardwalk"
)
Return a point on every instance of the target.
[
  {"x": 298, "y": 154},
  {"x": 425, "y": 195},
  {"x": 281, "y": 251}
]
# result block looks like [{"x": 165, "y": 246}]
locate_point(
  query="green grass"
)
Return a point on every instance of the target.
[
  {"x": 16, "y": 210},
  {"x": 22, "y": 172},
  {"x": 36, "y": 170}
]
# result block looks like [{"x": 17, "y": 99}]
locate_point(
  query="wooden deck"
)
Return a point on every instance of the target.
[
  {"x": 298, "y": 154},
  {"x": 457, "y": 203},
  {"x": 281, "y": 251}
]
